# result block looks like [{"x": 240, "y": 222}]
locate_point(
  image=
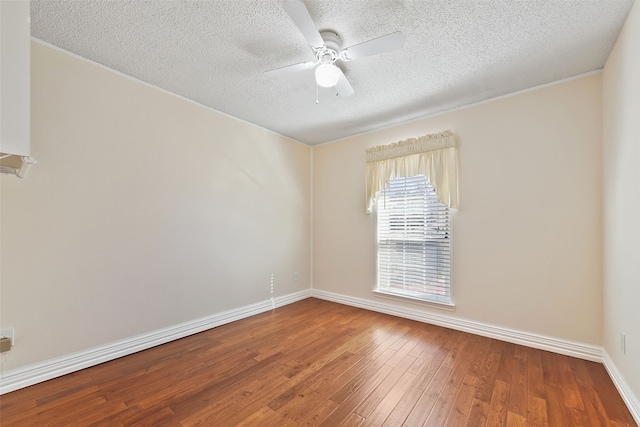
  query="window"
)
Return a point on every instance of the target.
[{"x": 413, "y": 241}]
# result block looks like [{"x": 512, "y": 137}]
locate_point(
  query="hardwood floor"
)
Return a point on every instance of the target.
[{"x": 319, "y": 363}]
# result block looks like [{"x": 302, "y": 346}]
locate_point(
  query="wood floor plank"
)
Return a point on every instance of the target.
[
  {"x": 320, "y": 363},
  {"x": 403, "y": 351},
  {"x": 487, "y": 375},
  {"x": 515, "y": 420},
  {"x": 232, "y": 408},
  {"x": 267, "y": 418},
  {"x": 551, "y": 371},
  {"x": 535, "y": 373},
  {"x": 479, "y": 357},
  {"x": 297, "y": 407},
  {"x": 403, "y": 408},
  {"x": 367, "y": 406},
  {"x": 218, "y": 394},
  {"x": 569, "y": 384},
  {"x": 429, "y": 397},
  {"x": 611, "y": 400},
  {"x": 349, "y": 380},
  {"x": 308, "y": 376},
  {"x": 259, "y": 416},
  {"x": 90, "y": 407},
  {"x": 391, "y": 399},
  {"x": 118, "y": 418},
  {"x": 318, "y": 413},
  {"x": 55, "y": 409},
  {"x": 498, "y": 405},
  {"x": 423, "y": 360},
  {"x": 426, "y": 338},
  {"x": 350, "y": 403},
  {"x": 593, "y": 406},
  {"x": 507, "y": 360},
  {"x": 557, "y": 411},
  {"x": 478, "y": 414},
  {"x": 537, "y": 415},
  {"x": 448, "y": 396},
  {"x": 580, "y": 371},
  {"x": 462, "y": 406},
  {"x": 425, "y": 375},
  {"x": 90, "y": 417},
  {"x": 327, "y": 384},
  {"x": 353, "y": 420},
  {"x": 362, "y": 377},
  {"x": 580, "y": 418},
  {"x": 519, "y": 384}
]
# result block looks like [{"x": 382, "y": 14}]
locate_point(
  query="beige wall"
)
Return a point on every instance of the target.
[
  {"x": 144, "y": 210},
  {"x": 527, "y": 238},
  {"x": 621, "y": 191}
]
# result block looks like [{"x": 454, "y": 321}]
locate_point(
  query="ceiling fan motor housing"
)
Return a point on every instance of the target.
[{"x": 332, "y": 44}]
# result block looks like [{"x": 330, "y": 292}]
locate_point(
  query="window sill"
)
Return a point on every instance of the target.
[{"x": 448, "y": 306}]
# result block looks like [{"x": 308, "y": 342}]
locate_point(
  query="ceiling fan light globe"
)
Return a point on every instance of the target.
[{"x": 327, "y": 75}]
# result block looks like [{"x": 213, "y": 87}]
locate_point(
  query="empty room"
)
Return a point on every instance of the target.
[{"x": 320, "y": 212}]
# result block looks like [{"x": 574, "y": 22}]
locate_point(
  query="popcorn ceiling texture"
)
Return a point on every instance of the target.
[{"x": 455, "y": 53}]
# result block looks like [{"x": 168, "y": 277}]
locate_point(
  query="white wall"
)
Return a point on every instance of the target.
[
  {"x": 144, "y": 210},
  {"x": 527, "y": 243},
  {"x": 621, "y": 191}
]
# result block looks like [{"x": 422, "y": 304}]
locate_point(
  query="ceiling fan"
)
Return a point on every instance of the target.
[{"x": 327, "y": 50}]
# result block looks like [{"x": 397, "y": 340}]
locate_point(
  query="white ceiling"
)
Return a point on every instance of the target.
[{"x": 455, "y": 53}]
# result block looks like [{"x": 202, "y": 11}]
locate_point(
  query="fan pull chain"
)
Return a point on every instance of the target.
[{"x": 317, "y": 102}]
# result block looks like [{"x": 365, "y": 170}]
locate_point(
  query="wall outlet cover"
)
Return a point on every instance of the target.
[{"x": 9, "y": 332}]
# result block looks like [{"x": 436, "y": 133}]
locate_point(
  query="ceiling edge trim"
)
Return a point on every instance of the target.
[
  {"x": 104, "y": 67},
  {"x": 463, "y": 107}
]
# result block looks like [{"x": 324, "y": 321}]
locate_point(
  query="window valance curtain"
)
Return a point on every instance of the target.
[{"x": 433, "y": 156}]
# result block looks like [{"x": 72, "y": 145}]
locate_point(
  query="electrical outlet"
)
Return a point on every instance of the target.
[
  {"x": 9, "y": 333},
  {"x": 623, "y": 343},
  {"x": 295, "y": 277}
]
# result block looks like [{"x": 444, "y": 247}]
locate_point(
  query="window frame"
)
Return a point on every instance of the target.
[{"x": 408, "y": 296}]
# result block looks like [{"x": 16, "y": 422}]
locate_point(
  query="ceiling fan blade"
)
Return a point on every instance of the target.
[
  {"x": 291, "y": 68},
  {"x": 299, "y": 14},
  {"x": 343, "y": 86},
  {"x": 382, "y": 44}
]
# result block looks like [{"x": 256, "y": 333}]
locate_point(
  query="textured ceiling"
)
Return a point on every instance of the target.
[{"x": 455, "y": 53}]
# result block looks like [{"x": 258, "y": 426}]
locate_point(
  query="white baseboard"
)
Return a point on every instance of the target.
[
  {"x": 629, "y": 398},
  {"x": 556, "y": 345},
  {"x": 23, "y": 377}
]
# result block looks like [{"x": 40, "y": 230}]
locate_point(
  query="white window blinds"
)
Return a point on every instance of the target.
[{"x": 413, "y": 240}]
